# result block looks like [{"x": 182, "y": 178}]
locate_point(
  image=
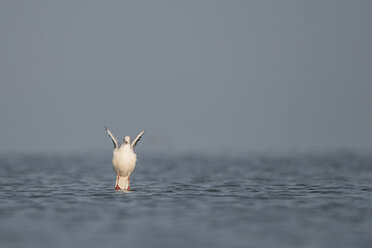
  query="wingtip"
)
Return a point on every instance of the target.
[{"x": 106, "y": 128}]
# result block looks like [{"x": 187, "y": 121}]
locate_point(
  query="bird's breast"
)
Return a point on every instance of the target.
[{"x": 124, "y": 159}]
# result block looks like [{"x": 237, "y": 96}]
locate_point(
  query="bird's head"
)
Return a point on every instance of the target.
[{"x": 126, "y": 140}]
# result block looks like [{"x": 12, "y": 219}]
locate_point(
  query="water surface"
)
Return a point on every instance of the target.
[{"x": 187, "y": 201}]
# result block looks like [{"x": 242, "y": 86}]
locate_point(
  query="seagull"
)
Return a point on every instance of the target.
[{"x": 124, "y": 159}]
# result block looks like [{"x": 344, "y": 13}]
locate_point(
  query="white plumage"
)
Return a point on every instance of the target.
[{"x": 123, "y": 159}]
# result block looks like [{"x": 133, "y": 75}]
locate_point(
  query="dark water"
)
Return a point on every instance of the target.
[{"x": 187, "y": 201}]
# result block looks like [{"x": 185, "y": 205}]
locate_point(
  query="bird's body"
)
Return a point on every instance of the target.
[{"x": 123, "y": 159}]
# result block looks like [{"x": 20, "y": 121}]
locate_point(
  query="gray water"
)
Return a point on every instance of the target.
[{"x": 322, "y": 200}]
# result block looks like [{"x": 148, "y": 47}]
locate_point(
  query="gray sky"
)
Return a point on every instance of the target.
[{"x": 212, "y": 76}]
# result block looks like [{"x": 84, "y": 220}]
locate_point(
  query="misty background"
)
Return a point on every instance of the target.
[{"x": 207, "y": 76}]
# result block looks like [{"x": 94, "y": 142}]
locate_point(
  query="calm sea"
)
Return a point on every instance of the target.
[{"x": 322, "y": 200}]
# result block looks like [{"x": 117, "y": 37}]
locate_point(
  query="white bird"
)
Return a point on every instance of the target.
[{"x": 124, "y": 159}]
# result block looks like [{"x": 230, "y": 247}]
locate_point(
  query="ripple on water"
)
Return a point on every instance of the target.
[{"x": 259, "y": 201}]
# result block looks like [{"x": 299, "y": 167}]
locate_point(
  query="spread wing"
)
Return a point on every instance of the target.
[
  {"x": 135, "y": 141},
  {"x": 114, "y": 140}
]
